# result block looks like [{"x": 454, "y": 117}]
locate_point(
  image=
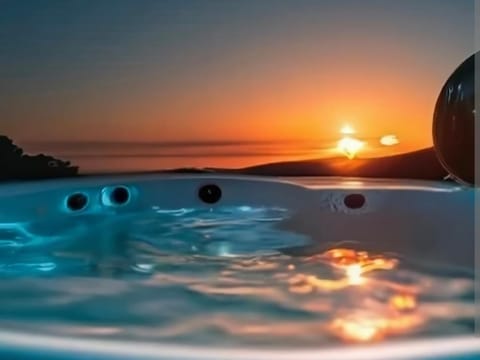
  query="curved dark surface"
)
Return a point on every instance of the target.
[{"x": 454, "y": 123}]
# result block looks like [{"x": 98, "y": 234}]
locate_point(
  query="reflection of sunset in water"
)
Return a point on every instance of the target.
[
  {"x": 354, "y": 274},
  {"x": 353, "y": 265},
  {"x": 372, "y": 326},
  {"x": 360, "y": 326},
  {"x": 340, "y": 295},
  {"x": 403, "y": 302},
  {"x": 342, "y": 258}
]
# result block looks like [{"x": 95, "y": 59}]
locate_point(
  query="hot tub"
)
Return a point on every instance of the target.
[{"x": 226, "y": 267}]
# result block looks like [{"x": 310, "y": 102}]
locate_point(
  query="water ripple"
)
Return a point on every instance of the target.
[{"x": 221, "y": 277}]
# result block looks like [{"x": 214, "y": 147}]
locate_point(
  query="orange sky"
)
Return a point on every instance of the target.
[
  {"x": 303, "y": 105},
  {"x": 293, "y": 72}
]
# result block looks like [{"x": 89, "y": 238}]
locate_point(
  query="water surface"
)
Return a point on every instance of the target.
[{"x": 219, "y": 277}]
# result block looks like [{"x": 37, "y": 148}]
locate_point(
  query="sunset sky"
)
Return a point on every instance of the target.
[{"x": 250, "y": 74}]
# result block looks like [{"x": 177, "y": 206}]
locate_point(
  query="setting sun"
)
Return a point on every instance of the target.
[
  {"x": 350, "y": 146},
  {"x": 321, "y": 85}
]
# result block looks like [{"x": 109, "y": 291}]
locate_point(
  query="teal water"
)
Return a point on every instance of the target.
[{"x": 218, "y": 278}]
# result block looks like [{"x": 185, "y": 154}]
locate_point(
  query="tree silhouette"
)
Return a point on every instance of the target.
[{"x": 15, "y": 165}]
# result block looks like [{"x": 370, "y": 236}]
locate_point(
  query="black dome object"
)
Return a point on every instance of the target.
[{"x": 453, "y": 123}]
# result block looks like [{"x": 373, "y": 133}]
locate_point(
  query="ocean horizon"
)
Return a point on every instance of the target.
[{"x": 104, "y": 156}]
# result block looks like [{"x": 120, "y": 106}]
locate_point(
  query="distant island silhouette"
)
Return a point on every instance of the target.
[{"x": 15, "y": 165}]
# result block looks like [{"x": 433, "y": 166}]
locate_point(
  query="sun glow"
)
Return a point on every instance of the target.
[
  {"x": 403, "y": 302},
  {"x": 354, "y": 274},
  {"x": 347, "y": 130},
  {"x": 349, "y": 146}
]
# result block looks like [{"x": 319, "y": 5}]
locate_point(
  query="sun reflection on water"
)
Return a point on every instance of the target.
[
  {"x": 403, "y": 302},
  {"x": 224, "y": 278},
  {"x": 368, "y": 327},
  {"x": 398, "y": 316}
]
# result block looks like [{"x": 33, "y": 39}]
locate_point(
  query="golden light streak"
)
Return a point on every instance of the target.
[
  {"x": 403, "y": 302},
  {"x": 343, "y": 258},
  {"x": 362, "y": 330},
  {"x": 371, "y": 327},
  {"x": 354, "y": 264}
]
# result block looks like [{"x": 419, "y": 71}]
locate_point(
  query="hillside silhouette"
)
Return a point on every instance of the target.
[
  {"x": 421, "y": 164},
  {"x": 15, "y": 165}
]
